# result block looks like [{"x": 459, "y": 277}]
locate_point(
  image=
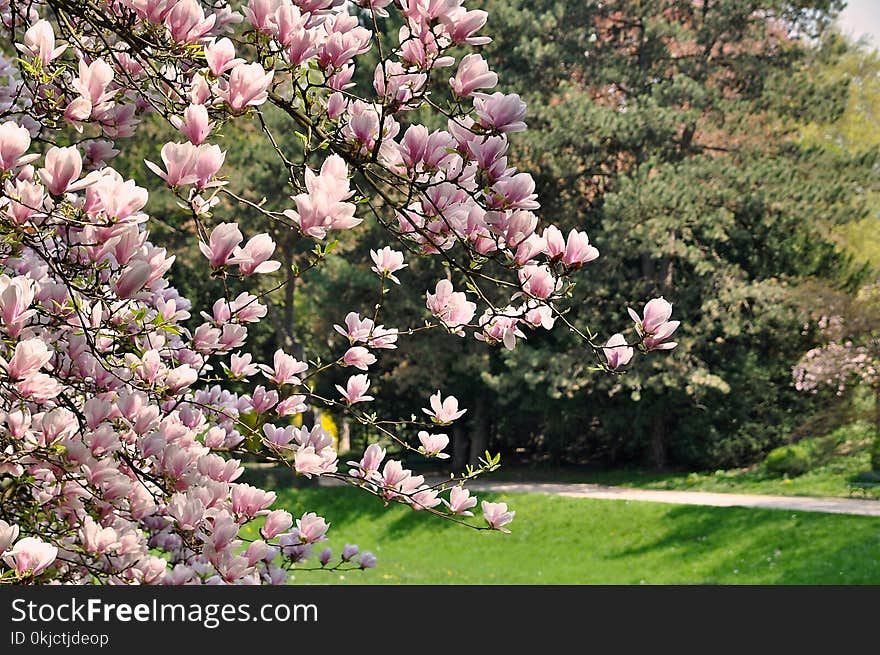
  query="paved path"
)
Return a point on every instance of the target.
[{"x": 792, "y": 503}]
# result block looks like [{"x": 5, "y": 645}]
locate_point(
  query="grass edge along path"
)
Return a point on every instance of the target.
[{"x": 559, "y": 540}]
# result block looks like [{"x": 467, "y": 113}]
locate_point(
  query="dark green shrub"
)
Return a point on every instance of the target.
[
  {"x": 875, "y": 453},
  {"x": 788, "y": 460}
]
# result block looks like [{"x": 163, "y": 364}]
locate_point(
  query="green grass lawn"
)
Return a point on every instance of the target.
[{"x": 581, "y": 541}]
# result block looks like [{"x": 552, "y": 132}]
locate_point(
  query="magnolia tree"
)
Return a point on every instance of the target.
[{"x": 119, "y": 443}]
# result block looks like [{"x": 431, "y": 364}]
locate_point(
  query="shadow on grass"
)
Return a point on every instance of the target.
[{"x": 779, "y": 547}]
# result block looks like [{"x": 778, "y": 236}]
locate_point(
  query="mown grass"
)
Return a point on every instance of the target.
[{"x": 582, "y": 541}]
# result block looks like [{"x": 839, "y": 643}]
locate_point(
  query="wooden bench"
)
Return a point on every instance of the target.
[{"x": 863, "y": 487}]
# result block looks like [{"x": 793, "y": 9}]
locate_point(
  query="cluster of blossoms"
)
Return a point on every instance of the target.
[
  {"x": 119, "y": 445},
  {"x": 845, "y": 360}
]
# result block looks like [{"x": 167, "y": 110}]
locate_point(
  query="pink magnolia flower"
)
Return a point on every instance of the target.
[
  {"x": 220, "y": 56},
  {"x": 312, "y": 528},
  {"x": 208, "y": 160},
  {"x": 30, "y": 356},
  {"x": 116, "y": 198},
  {"x": 186, "y": 22},
  {"x": 295, "y": 404},
  {"x": 26, "y": 201},
  {"x": 578, "y": 250},
  {"x": 387, "y": 262},
  {"x": 186, "y": 163},
  {"x": 181, "y": 377},
  {"x": 39, "y": 42},
  {"x": 349, "y": 551},
  {"x": 133, "y": 278},
  {"x": 277, "y": 521},
  {"x": 247, "y": 86},
  {"x": 500, "y": 328},
  {"x": 461, "y": 25},
  {"x": 396, "y": 86},
  {"x": 248, "y": 500},
  {"x": 359, "y": 357},
  {"x": 16, "y": 296},
  {"x": 262, "y": 399},
  {"x": 514, "y": 192},
  {"x": 355, "y": 389},
  {"x": 187, "y": 510},
  {"x": 496, "y": 515},
  {"x": 504, "y": 113},
  {"x": 97, "y": 539},
  {"x": 241, "y": 366},
  {"x": 92, "y": 84},
  {"x": 554, "y": 243},
  {"x": 308, "y": 461},
  {"x": 460, "y": 501},
  {"x": 222, "y": 243},
  {"x": 325, "y": 556},
  {"x": 367, "y": 560},
  {"x": 528, "y": 249},
  {"x": 433, "y": 444},
  {"x": 219, "y": 469},
  {"x": 180, "y": 161},
  {"x": 473, "y": 73},
  {"x": 520, "y": 226},
  {"x": 336, "y": 105},
  {"x": 8, "y": 534},
  {"x": 452, "y": 308},
  {"x": 655, "y": 327},
  {"x": 256, "y": 551},
  {"x": 356, "y": 328},
  {"x": 538, "y": 315},
  {"x": 425, "y": 499},
  {"x": 63, "y": 167},
  {"x": 443, "y": 412},
  {"x": 538, "y": 281},
  {"x": 14, "y": 142},
  {"x": 323, "y": 207},
  {"x": 285, "y": 369},
  {"x": 617, "y": 353},
  {"x": 153, "y": 10},
  {"x": 383, "y": 337},
  {"x": 98, "y": 153},
  {"x": 368, "y": 467},
  {"x": 39, "y": 387},
  {"x": 30, "y": 556},
  {"x": 194, "y": 125},
  {"x": 279, "y": 436},
  {"x": 254, "y": 256},
  {"x": 259, "y": 13},
  {"x": 376, "y": 6}
]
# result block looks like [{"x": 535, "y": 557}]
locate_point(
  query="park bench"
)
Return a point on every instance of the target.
[{"x": 864, "y": 487}]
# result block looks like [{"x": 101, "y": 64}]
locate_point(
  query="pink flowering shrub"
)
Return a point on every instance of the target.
[
  {"x": 120, "y": 446},
  {"x": 850, "y": 354}
]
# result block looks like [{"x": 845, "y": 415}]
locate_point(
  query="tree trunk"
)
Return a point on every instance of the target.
[
  {"x": 658, "y": 444},
  {"x": 344, "y": 435},
  {"x": 285, "y": 334},
  {"x": 459, "y": 446},
  {"x": 875, "y": 449},
  {"x": 479, "y": 431}
]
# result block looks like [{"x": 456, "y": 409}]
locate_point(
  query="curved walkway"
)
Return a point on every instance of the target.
[{"x": 854, "y": 506}]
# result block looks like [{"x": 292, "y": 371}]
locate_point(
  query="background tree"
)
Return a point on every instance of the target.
[{"x": 679, "y": 123}]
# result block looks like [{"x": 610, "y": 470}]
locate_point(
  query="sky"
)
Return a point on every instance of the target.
[{"x": 862, "y": 18}]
